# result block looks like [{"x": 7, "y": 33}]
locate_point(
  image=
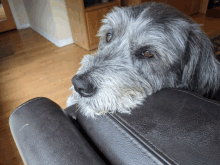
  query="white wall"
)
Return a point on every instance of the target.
[{"x": 47, "y": 17}]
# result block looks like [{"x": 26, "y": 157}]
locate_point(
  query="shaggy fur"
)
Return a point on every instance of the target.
[{"x": 120, "y": 74}]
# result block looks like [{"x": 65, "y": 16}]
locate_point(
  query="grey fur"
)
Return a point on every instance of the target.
[{"x": 183, "y": 58}]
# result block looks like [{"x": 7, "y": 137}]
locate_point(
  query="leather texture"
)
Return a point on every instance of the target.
[
  {"x": 45, "y": 135},
  {"x": 172, "y": 127}
]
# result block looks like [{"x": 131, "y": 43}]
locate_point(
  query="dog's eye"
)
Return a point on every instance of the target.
[
  {"x": 108, "y": 37},
  {"x": 147, "y": 54}
]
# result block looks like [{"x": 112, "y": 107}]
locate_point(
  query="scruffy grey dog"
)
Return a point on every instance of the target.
[{"x": 142, "y": 50}]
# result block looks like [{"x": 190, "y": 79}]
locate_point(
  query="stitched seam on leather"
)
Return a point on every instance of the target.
[
  {"x": 24, "y": 105},
  {"x": 196, "y": 96},
  {"x": 137, "y": 135},
  {"x": 135, "y": 142}
]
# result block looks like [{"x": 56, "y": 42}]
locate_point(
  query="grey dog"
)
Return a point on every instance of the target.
[{"x": 142, "y": 50}]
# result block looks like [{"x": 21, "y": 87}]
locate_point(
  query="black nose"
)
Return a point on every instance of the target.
[{"x": 83, "y": 86}]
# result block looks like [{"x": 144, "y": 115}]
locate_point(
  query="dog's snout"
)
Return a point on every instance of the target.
[{"x": 83, "y": 86}]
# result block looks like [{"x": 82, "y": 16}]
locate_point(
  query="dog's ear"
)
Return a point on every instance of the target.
[{"x": 201, "y": 69}]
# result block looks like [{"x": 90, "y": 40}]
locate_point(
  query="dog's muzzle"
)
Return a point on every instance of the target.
[{"x": 83, "y": 86}]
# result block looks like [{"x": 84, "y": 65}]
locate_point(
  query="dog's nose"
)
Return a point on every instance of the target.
[{"x": 83, "y": 86}]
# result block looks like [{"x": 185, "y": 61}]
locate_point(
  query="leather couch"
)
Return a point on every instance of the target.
[{"x": 172, "y": 127}]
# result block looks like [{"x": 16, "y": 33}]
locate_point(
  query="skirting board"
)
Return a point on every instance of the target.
[
  {"x": 58, "y": 43},
  {"x": 24, "y": 26}
]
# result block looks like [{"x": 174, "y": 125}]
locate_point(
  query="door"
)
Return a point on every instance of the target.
[{"x": 6, "y": 19}]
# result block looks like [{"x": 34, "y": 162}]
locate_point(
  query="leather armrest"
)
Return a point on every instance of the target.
[
  {"x": 45, "y": 135},
  {"x": 172, "y": 127}
]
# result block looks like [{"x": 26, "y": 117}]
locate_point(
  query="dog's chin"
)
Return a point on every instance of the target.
[
  {"x": 73, "y": 98},
  {"x": 92, "y": 107}
]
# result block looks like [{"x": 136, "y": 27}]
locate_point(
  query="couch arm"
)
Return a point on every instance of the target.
[{"x": 44, "y": 134}]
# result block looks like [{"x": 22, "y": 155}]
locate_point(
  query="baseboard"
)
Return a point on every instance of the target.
[
  {"x": 64, "y": 42},
  {"x": 58, "y": 43},
  {"x": 24, "y": 26}
]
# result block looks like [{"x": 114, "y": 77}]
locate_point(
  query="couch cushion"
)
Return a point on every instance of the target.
[{"x": 172, "y": 127}]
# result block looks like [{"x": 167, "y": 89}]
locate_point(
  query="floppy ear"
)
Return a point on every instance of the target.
[{"x": 201, "y": 71}]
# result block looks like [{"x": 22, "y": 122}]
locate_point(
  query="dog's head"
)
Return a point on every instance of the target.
[{"x": 144, "y": 49}]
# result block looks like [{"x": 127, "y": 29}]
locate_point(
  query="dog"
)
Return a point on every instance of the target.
[{"x": 143, "y": 49}]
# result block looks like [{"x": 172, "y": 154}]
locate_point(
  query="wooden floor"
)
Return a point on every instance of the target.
[{"x": 31, "y": 66}]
